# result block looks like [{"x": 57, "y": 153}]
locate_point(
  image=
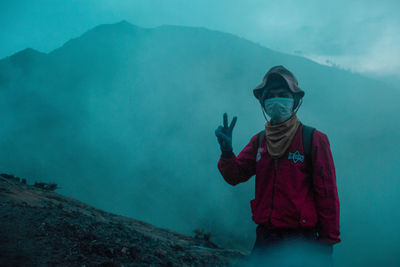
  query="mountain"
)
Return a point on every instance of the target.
[
  {"x": 40, "y": 227},
  {"x": 124, "y": 114}
]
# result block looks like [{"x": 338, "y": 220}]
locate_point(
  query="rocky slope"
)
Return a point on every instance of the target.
[{"x": 41, "y": 227}]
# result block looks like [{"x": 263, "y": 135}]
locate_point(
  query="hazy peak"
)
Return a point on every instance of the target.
[
  {"x": 122, "y": 25},
  {"x": 27, "y": 52}
]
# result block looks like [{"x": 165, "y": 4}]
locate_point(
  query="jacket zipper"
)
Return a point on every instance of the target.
[
  {"x": 273, "y": 190},
  {"x": 323, "y": 180}
]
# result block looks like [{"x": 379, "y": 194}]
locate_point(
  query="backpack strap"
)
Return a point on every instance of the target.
[
  {"x": 260, "y": 137},
  {"x": 307, "y": 142}
]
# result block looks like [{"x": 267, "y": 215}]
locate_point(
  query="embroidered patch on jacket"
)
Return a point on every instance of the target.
[
  {"x": 296, "y": 156},
  {"x": 260, "y": 149}
]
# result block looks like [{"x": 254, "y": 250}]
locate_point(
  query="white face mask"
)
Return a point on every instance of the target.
[{"x": 279, "y": 108}]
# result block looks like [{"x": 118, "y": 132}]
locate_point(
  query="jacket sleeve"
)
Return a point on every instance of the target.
[
  {"x": 325, "y": 190},
  {"x": 238, "y": 169}
]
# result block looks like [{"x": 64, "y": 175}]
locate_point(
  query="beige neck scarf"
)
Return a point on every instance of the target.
[{"x": 279, "y": 136}]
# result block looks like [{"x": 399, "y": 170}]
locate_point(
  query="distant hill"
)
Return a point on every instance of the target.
[{"x": 124, "y": 114}]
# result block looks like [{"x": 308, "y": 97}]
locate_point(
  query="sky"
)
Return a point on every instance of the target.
[{"x": 362, "y": 36}]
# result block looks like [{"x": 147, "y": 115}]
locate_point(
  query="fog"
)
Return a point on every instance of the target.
[
  {"x": 359, "y": 35},
  {"x": 122, "y": 116}
]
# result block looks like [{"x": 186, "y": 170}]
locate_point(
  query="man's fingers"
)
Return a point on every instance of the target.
[
  {"x": 233, "y": 123},
  {"x": 219, "y": 130},
  {"x": 225, "y": 120},
  {"x": 221, "y": 135}
]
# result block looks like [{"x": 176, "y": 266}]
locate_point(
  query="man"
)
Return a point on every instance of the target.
[{"x": 296, "y": 196}]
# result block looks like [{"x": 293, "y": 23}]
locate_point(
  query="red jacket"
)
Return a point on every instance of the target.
[{"x": 286, "y": 196}]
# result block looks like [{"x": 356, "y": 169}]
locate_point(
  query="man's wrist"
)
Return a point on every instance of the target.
[{"x": 227, "y": 153}]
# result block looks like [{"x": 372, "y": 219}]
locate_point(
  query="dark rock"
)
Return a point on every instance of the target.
[{"x": 43, "y": 228}]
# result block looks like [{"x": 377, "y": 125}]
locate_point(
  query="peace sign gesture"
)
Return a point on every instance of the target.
[{"x": 224, "y": 134}]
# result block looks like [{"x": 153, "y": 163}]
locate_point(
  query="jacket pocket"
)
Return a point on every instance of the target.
[{"x": 308, "y": 215}]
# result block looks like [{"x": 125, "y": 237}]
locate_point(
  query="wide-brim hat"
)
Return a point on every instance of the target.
[{"x": 275, "y": 75}]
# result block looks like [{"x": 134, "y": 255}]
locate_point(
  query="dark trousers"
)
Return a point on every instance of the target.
[{"x": 289, "y": 247}]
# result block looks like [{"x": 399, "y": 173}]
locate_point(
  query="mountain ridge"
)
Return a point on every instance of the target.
[{"x": 125, "y": 27}]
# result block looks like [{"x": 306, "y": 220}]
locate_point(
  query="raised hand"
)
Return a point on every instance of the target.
[{"x": 224, "y": 134}]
